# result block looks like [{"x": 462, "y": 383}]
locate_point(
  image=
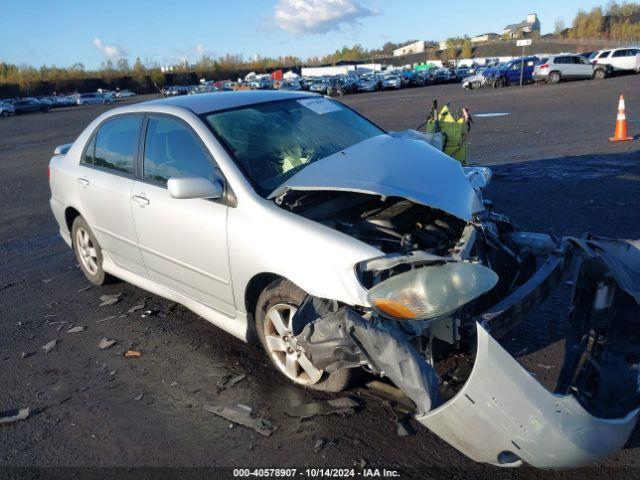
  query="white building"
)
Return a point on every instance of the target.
[
  {"x": 485, "y": 37},
  {"x": 415, "y": 47},
  {"x": 524, "y": 28}
]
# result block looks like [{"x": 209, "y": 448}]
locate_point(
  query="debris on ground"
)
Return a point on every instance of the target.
[
  {"x": 147, "y": 313},
  {"x": 324, "y": 442},
  {"x": 110, "y": 318},
  {"x": 26, "y": 355},
  {"x": 88, "y": 287},
  {"x": 405, "y": 427},
  {"x": 390, "y": 394},
  {"x": 11, "y": 416},
  {"x": 341, "y": 406},
  {"x": 135, "y": 308},
  {"x": 173, "y": 384},
  {"x": 241, "y": 414},
  {"x": 363, "y": 463},
  {"x": 229, "y": 381},
  {"x": 109, "y": 299},
  {"x": 7, "y": 285},
  {"x": 546, "y": 367},
  {"x": 106, "y": 343},
  {"x": 77, "y": 329},
  {"x": 49, "y": 346},
  {"x": 61, "y": 326},
  {"x": 132, "y": 354},
  {"x": 137, "y": 398}
]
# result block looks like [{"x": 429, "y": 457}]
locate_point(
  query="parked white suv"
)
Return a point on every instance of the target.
[
  {"x": 554, "y": 68},
  {"x": 342, "y": 246},
  {"x": 620, "y": 59}
]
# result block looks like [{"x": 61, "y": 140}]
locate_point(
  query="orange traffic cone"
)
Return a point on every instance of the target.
[{"x": 621, "y": 124}]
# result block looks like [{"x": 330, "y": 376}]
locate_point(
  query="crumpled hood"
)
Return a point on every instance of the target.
[{"x": 393, "y": 166}]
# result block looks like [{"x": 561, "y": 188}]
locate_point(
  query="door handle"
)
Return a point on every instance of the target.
[
  {"x": 140, "y": 200},
  {"x": 83, "y": 181}
]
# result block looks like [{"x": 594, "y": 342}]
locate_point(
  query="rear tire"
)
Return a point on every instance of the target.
[
  {"x": 275, "y": 301},
  {"x": 599, "y": 74},
  {"x": 554, "y": 77},
  {"x": 88, "y": 252}
]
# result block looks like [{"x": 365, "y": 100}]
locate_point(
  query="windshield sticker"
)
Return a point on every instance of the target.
[{"x": 319, "y": 105}]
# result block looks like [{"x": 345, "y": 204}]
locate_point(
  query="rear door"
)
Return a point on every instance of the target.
[
  {"x": 183, "y": 242},
  {"x": 105, "y": 177}
]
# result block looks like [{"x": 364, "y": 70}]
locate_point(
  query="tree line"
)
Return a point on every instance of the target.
[{"x": 617, "y": 21}]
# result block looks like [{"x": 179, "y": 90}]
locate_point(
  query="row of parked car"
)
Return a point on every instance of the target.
[
  {"x": 557, "y": 67},
  {"x": 333, "y": 85},
  {"x": 17, "y": 106}
]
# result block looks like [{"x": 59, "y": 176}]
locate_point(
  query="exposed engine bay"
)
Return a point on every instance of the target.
[{"x": 447, "y": 287}]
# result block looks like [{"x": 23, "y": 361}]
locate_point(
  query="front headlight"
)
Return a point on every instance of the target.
[{"x": 432, "y": 291}]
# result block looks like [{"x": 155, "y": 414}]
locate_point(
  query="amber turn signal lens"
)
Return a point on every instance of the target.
[{"x": 394, "y": 308}]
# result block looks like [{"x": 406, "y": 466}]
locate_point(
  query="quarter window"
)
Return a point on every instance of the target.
[
  {"x": 90, "y": 151},
  {"x": 116, "y": 144},
  {"x": 171, "y": 149}
]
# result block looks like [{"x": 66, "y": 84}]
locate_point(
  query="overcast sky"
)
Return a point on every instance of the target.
[{"x": 63, "y": 32}]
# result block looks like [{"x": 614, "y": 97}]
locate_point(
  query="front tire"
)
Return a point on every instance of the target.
[
  {"x": 88, "y": 252},
  {"x": 274, "y": 310}
]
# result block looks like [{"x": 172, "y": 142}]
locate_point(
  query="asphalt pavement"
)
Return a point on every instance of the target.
[{"x": 555, "y": 170}]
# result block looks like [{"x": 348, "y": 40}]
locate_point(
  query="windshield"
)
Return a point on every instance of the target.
[{"x": 272, "y": 141}]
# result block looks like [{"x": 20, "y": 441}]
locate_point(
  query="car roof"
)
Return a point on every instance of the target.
[{"x": 211, "y": 102}]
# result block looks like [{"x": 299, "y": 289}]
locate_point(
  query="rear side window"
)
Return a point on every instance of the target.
[
  {"x": 116, "y": 144},
  {"x": 619, "y": 53},
  {"x": 90, "y": 151},
  {"x": 172, "y": 149}
]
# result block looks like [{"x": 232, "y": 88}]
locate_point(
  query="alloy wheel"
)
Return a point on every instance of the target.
[
  {"x": 289, "y": 357},
  {"x": 87, "y": 251}
]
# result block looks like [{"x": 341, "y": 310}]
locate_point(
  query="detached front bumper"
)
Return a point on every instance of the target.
[{"x": 502, "y": 415}]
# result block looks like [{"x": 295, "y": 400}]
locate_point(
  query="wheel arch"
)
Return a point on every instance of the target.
[
  {"x": 70, "y": 214},
  {"x": 254, "y": 288}
]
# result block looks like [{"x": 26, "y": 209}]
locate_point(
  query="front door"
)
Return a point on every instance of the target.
[
  {"x": 183, "y": 242},
  {"x": 104, "y": 179}
]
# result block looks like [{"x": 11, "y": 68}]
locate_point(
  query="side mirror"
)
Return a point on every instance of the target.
[{"x": 195, "y": 187}]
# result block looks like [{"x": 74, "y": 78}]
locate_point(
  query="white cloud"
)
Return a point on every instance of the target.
[
  {"x": 317, "y": 16},
  {"x": 110, "y": 52},
  {"x": 200, "y": 49}
]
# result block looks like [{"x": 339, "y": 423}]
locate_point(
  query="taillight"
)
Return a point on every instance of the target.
[{"x": 544, "y": 65}]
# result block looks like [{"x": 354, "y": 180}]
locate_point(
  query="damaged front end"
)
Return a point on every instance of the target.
[{"x": 500, "y": 414}]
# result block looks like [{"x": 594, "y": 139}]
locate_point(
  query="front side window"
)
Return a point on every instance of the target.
[
  {"x": 117, "y": 144},
  {"x": 171, "y": 149},
  {"x": 272, "y": 141}
]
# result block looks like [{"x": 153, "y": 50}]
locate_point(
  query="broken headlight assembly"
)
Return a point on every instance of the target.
[{"x": 431, "y": 291}]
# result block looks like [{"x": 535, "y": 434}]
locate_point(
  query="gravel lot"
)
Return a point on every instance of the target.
[{"x": 555, "y": 170}]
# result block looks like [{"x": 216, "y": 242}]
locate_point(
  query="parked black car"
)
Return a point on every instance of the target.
[{"x": 26, "y": 106}]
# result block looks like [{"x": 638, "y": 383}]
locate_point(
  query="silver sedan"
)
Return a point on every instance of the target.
[{"x": 289, "y": 218}]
